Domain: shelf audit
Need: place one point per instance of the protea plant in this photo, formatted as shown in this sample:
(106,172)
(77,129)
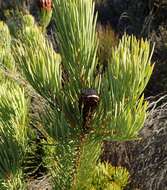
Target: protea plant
(87,106)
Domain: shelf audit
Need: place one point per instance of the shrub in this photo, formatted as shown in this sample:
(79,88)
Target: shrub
(85,108)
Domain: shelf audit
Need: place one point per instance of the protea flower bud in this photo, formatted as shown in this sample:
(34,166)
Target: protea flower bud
(45,4)
(45,12)
(88,102)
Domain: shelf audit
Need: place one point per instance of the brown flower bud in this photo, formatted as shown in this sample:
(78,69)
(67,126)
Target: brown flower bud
(88,102)
(45,4)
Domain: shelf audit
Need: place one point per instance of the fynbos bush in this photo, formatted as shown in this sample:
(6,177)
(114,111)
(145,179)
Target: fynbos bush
(83,107)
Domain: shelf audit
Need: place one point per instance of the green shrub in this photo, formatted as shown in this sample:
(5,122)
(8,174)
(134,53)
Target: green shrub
(85,108)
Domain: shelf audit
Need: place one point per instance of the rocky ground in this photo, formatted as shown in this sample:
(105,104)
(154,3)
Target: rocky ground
(42,183)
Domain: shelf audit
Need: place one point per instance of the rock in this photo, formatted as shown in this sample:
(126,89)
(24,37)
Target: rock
(40,184)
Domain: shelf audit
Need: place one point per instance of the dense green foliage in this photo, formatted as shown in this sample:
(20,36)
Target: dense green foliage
(108,177)
(74,131)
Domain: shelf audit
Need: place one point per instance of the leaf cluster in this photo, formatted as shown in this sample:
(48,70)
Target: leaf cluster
(108,177)
(13,119)
(13,133)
